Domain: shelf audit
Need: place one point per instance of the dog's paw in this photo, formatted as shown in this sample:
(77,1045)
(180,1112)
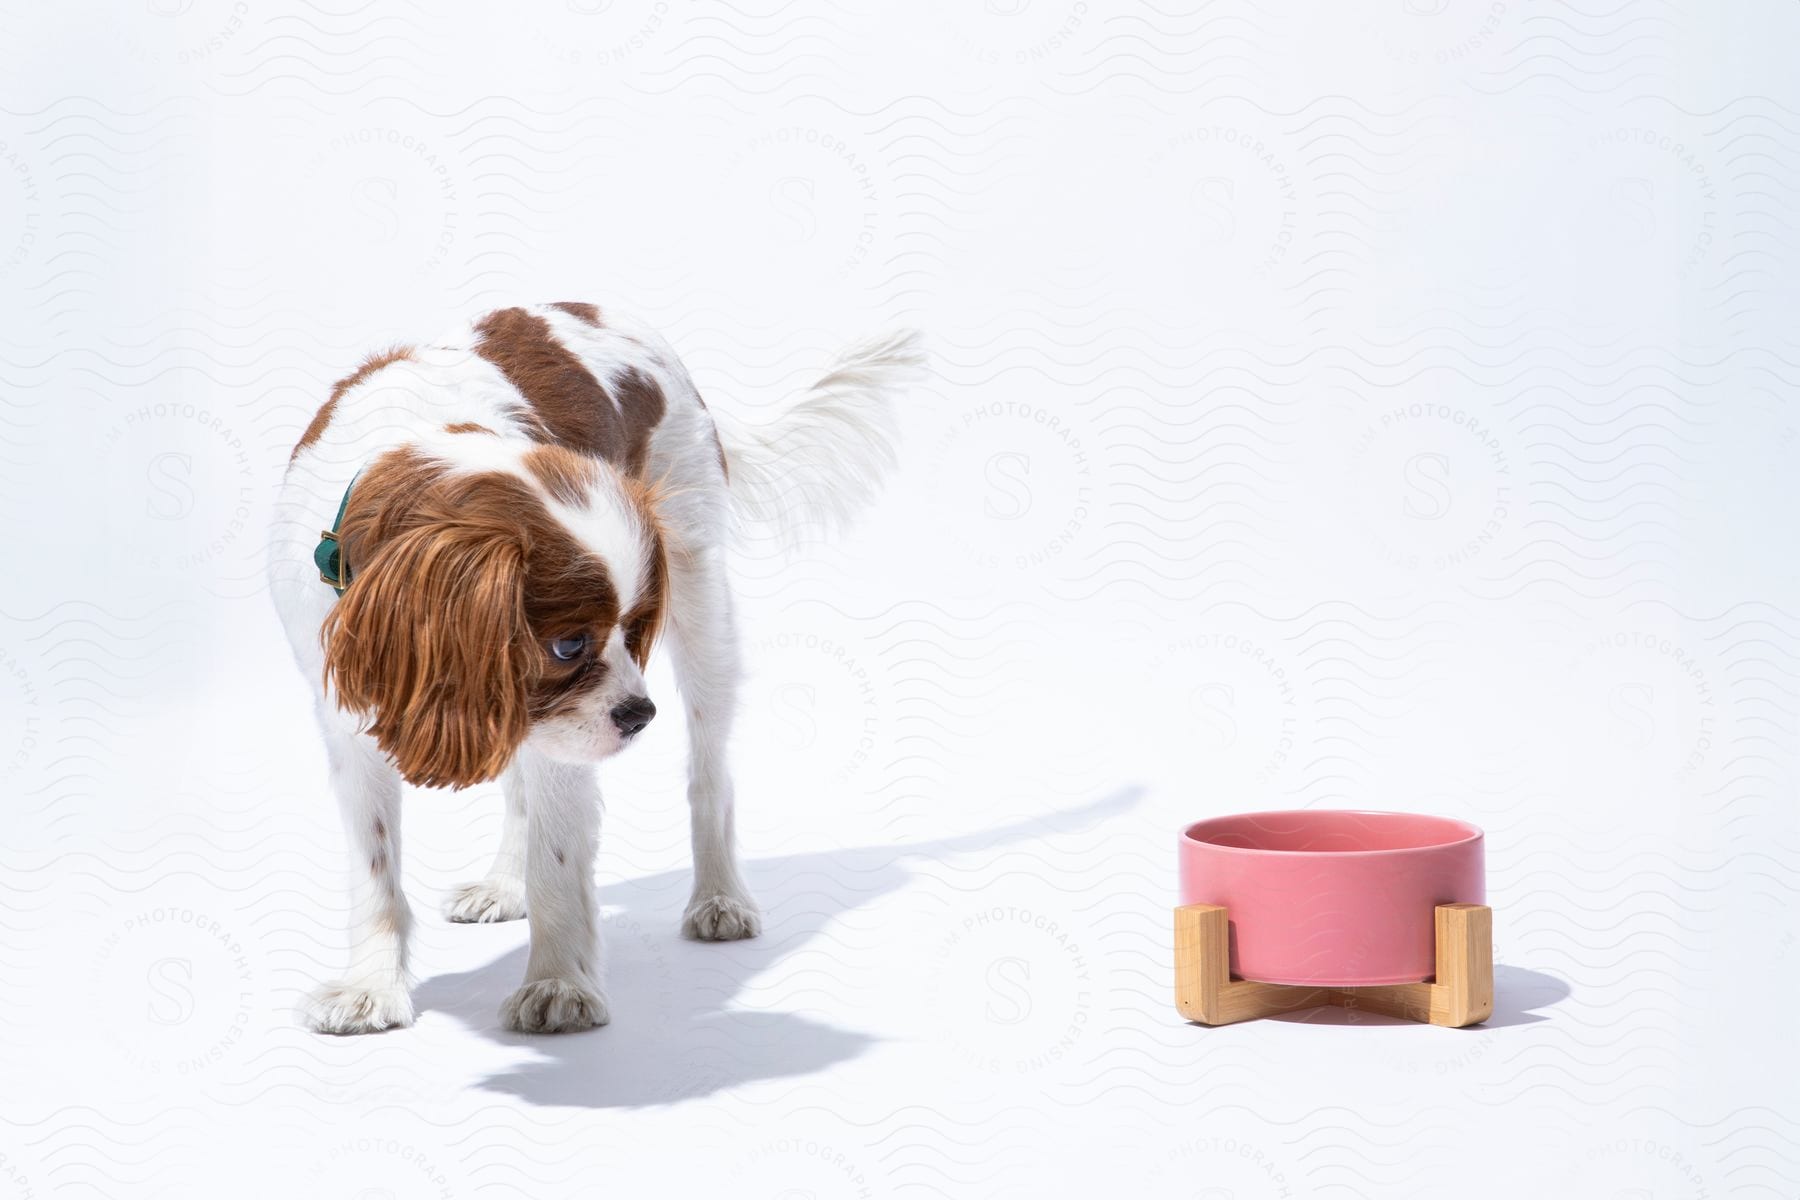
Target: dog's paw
(493,899)
(555,1006)
(341,1008)
(721,919)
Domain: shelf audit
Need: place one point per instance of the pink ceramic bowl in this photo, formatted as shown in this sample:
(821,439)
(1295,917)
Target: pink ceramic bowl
(1332,898)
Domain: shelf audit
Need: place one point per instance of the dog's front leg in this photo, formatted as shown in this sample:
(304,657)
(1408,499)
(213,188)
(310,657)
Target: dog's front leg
(373,994)
(562,988)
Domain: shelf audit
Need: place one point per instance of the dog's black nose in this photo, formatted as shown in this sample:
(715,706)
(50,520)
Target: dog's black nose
(633,715)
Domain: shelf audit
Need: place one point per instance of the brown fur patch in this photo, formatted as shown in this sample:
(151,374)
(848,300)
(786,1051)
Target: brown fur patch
(581,310)
(644,622)
(467,427)
(566,475)
(565,402)
(315,428)
(460,582)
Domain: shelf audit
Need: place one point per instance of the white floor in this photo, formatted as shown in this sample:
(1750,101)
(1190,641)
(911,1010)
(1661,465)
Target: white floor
(1382,405)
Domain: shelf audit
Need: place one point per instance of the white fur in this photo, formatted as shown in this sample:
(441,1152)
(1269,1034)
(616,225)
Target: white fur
(819,458)
(811,466)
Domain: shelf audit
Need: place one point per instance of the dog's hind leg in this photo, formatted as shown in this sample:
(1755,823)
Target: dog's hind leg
(704,646)
(500,895)
(373,994)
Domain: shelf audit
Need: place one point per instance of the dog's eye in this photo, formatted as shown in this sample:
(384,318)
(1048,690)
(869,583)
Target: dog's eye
(567,648)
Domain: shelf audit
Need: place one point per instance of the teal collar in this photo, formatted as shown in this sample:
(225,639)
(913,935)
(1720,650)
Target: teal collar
(328,556)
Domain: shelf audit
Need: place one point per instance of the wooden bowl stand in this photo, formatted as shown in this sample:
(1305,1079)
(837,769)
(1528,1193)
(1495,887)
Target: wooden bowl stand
(1461,993)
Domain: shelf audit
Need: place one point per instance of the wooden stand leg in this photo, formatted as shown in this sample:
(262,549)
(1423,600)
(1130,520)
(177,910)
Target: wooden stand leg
(1204,989)
(1462,992)
(1465,965)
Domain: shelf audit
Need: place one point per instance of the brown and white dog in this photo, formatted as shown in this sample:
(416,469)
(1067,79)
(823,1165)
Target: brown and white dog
(528,508)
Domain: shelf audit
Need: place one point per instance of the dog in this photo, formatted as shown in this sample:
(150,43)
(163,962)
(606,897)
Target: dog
(524,512)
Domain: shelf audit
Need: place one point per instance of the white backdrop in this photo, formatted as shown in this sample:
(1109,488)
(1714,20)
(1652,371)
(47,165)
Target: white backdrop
(1388,404)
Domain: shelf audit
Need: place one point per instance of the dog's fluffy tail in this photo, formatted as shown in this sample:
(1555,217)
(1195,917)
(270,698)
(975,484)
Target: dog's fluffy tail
(820,457)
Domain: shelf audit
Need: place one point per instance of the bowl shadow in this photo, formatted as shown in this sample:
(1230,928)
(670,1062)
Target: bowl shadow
(1518,993)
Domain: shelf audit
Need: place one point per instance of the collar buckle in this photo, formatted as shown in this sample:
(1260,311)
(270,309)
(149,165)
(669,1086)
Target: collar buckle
(334,558)
(328,556)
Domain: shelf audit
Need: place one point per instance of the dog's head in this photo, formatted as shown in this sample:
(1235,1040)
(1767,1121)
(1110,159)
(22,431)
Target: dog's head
(494,605)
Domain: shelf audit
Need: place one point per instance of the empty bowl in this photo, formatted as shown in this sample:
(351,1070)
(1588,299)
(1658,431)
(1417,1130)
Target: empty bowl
(1332,898)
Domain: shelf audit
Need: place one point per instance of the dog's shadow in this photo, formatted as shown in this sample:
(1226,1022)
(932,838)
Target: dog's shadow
(678,1031)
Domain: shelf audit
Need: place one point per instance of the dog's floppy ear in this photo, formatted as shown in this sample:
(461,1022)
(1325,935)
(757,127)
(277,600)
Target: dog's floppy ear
(431,641)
